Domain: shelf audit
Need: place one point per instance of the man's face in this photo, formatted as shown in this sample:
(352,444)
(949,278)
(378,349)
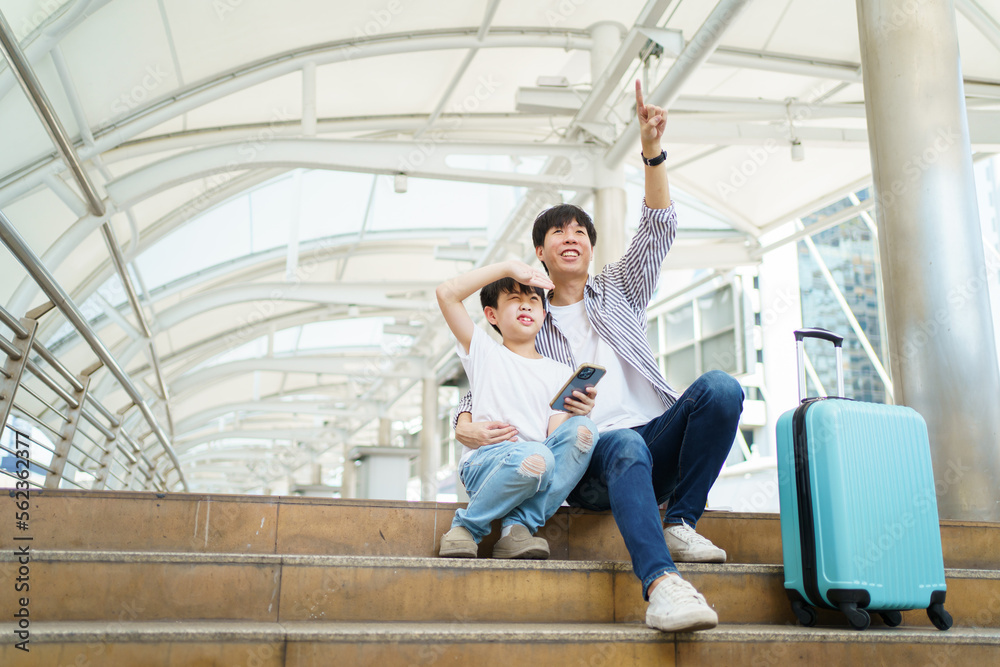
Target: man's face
(566,251)
(518,315)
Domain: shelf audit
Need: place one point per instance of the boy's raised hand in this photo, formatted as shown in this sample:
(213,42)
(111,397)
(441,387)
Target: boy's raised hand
(526,275)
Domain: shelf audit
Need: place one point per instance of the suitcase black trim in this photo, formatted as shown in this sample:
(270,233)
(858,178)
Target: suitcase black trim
(803,492)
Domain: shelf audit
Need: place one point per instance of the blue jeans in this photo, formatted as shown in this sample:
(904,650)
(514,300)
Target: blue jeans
(502,482)
(675,458)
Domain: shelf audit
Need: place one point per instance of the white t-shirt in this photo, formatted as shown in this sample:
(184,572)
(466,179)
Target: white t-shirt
(509,388)
(624,397)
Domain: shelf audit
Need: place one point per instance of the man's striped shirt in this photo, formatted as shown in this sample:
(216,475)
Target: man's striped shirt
(616,302)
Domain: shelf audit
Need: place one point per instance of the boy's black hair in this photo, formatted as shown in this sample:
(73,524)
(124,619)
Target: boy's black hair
(557,217)
(490,295)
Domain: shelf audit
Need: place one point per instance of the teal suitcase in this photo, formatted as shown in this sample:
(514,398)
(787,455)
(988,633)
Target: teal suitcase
(859,520)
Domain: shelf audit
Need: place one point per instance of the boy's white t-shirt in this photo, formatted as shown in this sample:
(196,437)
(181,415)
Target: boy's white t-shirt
(509,388)
(624,397)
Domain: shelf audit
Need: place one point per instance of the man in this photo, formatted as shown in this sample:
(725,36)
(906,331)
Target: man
(655,446)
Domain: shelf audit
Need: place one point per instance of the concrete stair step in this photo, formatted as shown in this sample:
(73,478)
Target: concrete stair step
(140,586)
(138,521)
(304,644)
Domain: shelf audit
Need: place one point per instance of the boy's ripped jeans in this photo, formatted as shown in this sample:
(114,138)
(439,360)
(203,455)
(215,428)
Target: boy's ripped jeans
(524,482)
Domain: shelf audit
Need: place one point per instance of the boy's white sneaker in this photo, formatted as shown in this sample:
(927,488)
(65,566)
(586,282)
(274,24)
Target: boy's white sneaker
(458,543)
(687,546)
(519,543)
(675,606)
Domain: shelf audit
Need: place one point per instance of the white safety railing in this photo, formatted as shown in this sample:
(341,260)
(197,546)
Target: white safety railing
(58,435)
(53,432)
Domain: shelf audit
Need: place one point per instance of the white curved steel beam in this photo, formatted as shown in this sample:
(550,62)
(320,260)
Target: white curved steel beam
(324,408)
(298,435)
(220,342)
(370,366)
(200,93)
(370,294)
(980,18)
(69,240)
(508,122)
(47,34)
(239,269)
(414,158)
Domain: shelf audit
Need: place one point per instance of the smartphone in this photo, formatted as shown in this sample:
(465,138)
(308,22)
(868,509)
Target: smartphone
(587,375)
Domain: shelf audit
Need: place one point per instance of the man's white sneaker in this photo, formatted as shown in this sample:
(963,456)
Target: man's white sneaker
(675,606)
(687,546)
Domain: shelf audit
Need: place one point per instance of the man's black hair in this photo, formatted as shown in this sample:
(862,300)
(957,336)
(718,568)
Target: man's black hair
(490,295)
(557,217)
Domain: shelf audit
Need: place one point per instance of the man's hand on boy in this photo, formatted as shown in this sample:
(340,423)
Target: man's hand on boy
(479,434)
(526,275)
(582,404)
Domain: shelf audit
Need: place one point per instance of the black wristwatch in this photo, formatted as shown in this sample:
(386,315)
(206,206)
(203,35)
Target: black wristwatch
(654,161)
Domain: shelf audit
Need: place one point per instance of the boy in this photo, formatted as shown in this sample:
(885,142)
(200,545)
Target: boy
(522,482)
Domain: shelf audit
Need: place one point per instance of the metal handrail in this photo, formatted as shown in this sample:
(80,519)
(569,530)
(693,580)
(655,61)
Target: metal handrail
(9,350)
(114,421)
(52,361)
(98,425)
(13,324)
(52,384)
(44,402)
(44,279)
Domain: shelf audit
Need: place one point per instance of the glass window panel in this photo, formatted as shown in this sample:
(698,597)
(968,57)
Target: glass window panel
(716,310)
(681,370)
(437,204)
(215,237)
(680,325)
(346,333)
(719,353)
(333,203)
(271,214)
(284,340)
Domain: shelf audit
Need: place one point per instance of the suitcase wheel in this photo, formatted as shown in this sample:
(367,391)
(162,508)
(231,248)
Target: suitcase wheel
(939,617)
(891,618)
(804,612)
(858,618)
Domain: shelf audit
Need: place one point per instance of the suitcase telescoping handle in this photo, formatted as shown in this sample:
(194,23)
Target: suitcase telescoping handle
(800,347)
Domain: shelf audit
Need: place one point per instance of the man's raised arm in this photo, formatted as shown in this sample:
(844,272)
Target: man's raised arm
(638,270)
(652,123)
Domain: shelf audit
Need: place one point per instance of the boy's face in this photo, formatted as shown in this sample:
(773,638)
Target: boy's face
(566,251)
(519,315)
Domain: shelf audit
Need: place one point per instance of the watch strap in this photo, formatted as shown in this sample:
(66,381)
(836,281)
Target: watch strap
(652,162)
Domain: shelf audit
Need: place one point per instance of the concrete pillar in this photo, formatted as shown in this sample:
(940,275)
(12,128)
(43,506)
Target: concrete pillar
(384,432)
(348,485)
(430,443)
(941,344)
(609,198)
(315,473)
